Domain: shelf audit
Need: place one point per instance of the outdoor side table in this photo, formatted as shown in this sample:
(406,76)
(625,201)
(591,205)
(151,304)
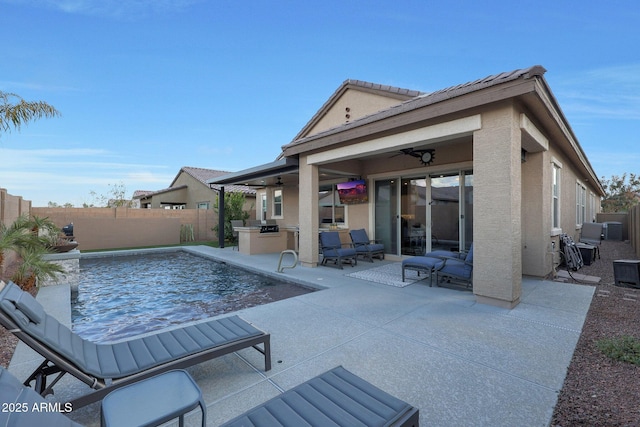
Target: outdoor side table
(153,401)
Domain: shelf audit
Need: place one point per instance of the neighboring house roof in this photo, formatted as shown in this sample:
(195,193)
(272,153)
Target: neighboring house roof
(204,175)
(200,174)
(383,90)
(146,194)
(141,193)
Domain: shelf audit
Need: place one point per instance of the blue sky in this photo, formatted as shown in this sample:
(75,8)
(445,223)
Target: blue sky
(148,86)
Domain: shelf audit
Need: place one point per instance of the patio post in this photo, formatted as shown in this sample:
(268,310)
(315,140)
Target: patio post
(221,217)
(308,213)
(497,211)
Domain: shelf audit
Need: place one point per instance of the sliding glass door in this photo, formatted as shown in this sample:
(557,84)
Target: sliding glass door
(414,215)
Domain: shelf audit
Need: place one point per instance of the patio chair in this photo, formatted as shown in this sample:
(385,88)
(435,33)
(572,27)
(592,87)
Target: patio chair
(365,247)
(332,249)
(235,223)
(335,398)
(591,234)
(105,367)
(457,269)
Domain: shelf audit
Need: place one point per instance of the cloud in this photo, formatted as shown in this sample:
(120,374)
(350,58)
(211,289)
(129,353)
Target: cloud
(70,175)
(607,92)
(119,9)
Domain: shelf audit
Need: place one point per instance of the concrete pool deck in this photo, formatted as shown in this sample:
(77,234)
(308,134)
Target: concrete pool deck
(459,362)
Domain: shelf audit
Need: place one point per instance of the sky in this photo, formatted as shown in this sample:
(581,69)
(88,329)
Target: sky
(145,87)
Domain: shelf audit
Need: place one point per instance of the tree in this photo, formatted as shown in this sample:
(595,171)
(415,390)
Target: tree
(115,198)
(233,210)
(15,111)
(621,192)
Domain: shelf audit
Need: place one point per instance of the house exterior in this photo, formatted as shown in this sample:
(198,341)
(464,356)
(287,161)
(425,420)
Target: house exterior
(492,162)
(190,190)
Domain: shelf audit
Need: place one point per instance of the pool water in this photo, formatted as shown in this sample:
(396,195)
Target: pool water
(122,296)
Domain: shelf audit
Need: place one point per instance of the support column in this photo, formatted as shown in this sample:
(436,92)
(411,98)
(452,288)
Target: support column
(308,213)
(221,217)
(497,271)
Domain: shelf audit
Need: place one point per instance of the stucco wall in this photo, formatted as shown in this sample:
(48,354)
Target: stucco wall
(11,207)
(144,227)
(359,103)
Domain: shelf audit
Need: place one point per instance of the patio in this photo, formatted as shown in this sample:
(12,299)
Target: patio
(459,362)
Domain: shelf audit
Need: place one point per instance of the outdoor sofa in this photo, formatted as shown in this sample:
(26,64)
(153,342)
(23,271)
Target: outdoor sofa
(105,367)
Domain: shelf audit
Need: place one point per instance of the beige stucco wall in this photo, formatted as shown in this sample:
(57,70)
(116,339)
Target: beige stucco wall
(359,103)
(197,192)
(497,273)
(88,221)
(11,207)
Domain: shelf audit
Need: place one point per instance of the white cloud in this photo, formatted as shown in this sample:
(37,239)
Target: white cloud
(608,92)
(70,175)
(119,9)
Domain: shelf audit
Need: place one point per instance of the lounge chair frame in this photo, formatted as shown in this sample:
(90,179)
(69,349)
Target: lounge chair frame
(57,364)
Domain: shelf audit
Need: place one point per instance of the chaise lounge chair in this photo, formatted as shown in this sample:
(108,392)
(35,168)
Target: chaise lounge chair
(332,249)
(365,247)
(431,261)
(105,367)
(335,398)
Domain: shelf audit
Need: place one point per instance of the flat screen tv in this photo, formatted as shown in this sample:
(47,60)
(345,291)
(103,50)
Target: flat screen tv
(353,192)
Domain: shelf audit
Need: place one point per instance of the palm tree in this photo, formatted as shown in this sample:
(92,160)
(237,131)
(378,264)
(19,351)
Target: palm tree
(15,111)
(30,238)
(13,238)
(33,267)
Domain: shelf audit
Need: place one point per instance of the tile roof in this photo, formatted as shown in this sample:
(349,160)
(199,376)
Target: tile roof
(203,175)
(424,99)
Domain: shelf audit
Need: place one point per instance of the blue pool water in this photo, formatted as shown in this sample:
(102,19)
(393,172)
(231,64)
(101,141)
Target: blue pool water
(122,296)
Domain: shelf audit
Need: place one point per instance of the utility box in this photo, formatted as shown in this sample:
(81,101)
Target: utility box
(613,231)
(627,272)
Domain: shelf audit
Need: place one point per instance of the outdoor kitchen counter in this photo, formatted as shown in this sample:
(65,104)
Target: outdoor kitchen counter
(255,240)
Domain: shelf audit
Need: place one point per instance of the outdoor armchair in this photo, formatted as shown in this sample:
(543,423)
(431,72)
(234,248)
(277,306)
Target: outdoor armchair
(332,249)
(457,269)
(365,247)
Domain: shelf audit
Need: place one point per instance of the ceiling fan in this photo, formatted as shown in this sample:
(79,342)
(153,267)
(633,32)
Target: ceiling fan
(426,156)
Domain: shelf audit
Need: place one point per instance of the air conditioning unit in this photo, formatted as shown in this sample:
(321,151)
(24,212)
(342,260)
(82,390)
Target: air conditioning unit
(627,272)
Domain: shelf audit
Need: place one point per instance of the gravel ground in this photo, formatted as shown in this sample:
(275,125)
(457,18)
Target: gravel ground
(597,391)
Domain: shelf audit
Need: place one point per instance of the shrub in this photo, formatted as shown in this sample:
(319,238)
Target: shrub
(624,348)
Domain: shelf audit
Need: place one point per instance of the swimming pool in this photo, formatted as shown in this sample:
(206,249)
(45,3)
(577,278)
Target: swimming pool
(122,296)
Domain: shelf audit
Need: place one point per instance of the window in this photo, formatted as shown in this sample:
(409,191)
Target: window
(277,204)
(331,211)
(592,207)
(555,194)
(263,206)
(203,205)
(581,203)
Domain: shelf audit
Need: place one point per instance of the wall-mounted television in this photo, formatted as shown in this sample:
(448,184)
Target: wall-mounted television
(353,192)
